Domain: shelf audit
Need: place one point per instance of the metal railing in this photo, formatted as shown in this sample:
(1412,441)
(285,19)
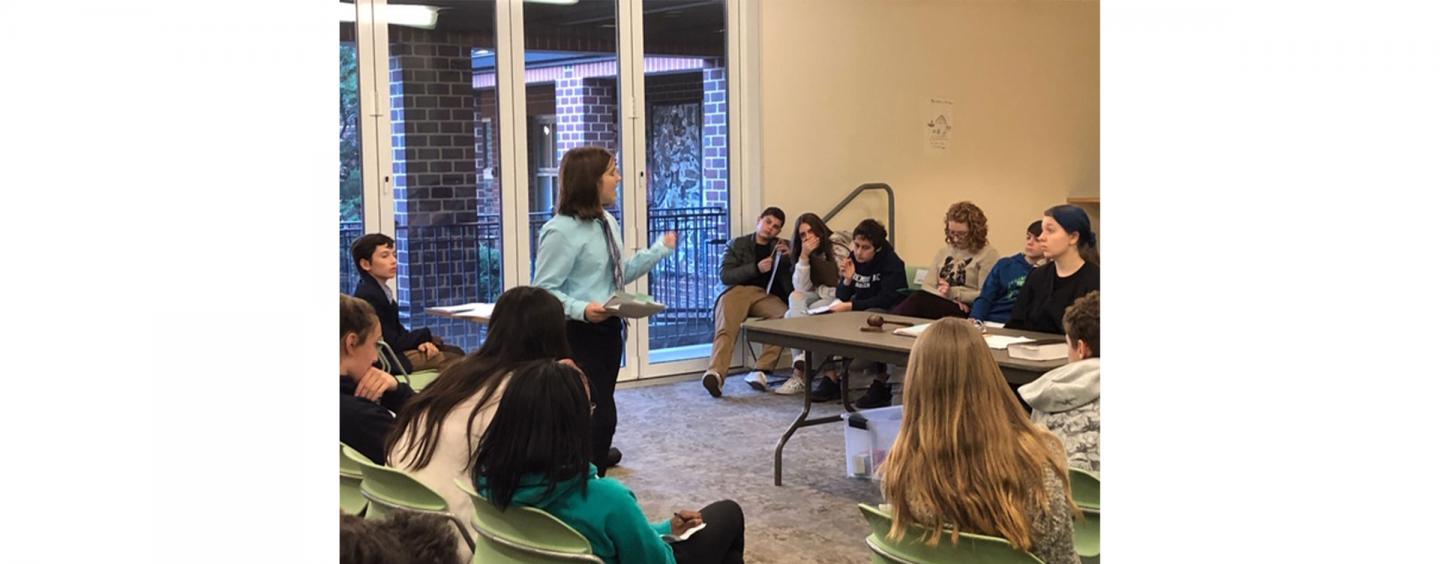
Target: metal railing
(889,199)
(460,263)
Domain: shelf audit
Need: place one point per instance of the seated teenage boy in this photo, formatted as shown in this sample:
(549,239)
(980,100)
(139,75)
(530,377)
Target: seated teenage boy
(870,280)
(753,263)
(374,255)
(997,296)
(1066,400)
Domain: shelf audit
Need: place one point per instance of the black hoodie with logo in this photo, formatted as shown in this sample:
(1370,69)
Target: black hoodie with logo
(877,283)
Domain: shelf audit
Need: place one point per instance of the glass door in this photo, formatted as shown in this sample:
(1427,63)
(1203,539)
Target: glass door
(464,111)
(574,98)
(444,150)
(352,185)
(685,117)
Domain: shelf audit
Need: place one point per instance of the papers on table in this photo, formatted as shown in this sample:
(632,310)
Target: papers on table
(480,311)
(912,331)
(1000,342)
(473,310)
(633,306)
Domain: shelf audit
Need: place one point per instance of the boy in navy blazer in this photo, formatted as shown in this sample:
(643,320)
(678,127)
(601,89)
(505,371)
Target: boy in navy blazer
(374,255)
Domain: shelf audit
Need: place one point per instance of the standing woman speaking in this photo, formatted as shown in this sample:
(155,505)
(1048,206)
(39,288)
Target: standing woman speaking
(579,262)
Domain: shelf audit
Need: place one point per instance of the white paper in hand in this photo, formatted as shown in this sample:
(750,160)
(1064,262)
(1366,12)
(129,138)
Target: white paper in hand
(683,536)
(633,306)
(822,307)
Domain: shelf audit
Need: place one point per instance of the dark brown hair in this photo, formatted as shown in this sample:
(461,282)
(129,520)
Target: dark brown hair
(580,171)
(364,247)
(404,537)
(528,324)
(356,316)
(971,215)
(818,227)
(872,231)
(1082,321)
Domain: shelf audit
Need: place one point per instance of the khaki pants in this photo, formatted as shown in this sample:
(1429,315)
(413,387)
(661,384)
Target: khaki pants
(735,305)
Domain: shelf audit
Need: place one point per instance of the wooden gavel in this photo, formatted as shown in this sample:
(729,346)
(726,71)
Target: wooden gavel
(876,324)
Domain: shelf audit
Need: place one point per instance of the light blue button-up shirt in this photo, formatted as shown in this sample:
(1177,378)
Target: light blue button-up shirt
(574,264)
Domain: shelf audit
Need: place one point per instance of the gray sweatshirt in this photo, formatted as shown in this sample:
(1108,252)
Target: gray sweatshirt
(1066,401)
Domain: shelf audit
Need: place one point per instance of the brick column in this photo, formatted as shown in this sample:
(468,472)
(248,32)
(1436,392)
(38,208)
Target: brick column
(715,135)
(585,111)
(436,198)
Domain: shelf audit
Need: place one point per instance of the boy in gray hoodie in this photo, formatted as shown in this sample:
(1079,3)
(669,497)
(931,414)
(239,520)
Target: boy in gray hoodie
(1066,400)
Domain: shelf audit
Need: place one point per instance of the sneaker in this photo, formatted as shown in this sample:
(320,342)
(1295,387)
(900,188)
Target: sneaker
(758,380)
(877,395)
(827,390)
(794,385)
(713,382)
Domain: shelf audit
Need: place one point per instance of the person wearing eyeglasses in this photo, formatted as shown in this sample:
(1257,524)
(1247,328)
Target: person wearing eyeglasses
(958,270)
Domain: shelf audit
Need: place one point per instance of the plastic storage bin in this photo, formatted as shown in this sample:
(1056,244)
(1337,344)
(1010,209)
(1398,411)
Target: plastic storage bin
(868,436)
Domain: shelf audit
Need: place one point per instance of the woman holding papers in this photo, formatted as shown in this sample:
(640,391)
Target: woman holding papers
(958,270)
(579,261)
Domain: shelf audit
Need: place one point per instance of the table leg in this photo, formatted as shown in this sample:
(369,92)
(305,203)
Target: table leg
(804,412)
(845,386)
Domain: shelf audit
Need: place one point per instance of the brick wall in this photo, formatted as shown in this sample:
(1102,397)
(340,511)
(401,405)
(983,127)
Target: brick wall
(585,111)
(437,196)
(715,137)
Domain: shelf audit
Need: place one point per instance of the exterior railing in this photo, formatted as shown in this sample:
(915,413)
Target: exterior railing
(460,263)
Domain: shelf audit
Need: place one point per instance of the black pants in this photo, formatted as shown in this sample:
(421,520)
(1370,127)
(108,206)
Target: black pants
(597,348)
(722,541)
(929,306)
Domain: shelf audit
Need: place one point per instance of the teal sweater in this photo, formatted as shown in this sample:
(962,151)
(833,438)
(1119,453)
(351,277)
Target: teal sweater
(606,514)
(573,262)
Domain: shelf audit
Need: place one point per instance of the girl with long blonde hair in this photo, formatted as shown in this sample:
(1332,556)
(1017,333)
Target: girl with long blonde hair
(967,457)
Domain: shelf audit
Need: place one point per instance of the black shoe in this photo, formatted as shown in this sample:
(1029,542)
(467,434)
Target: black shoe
(827,390)
(877,395)
(603,463)
(713,383)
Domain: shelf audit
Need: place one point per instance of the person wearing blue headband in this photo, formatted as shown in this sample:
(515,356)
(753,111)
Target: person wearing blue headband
(1073,270)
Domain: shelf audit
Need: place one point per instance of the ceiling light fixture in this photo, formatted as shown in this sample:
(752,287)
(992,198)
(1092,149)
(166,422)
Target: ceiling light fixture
(408,15)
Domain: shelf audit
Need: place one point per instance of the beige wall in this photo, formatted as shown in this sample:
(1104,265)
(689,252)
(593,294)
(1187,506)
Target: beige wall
(845,88)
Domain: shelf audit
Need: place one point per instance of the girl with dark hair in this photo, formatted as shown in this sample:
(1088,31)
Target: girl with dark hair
(436,435)
(536,453)
(959,269)
(579,262)
(1073,271)
(817,274)
(368,396)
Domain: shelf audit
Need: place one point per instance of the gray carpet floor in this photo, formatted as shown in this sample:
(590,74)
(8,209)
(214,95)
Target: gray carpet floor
(684,449)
